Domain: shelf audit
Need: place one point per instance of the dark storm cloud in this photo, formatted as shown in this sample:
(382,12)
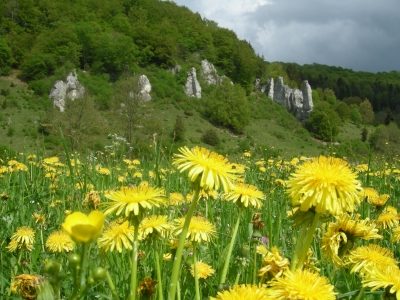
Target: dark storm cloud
(362,35)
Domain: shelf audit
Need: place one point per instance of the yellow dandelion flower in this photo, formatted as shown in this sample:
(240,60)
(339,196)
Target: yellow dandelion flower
(39,219)
(137,175)
(369,257)
(370,193)
(362,168)
(262,250)
(27,285)
(116,236)
(246,154)
(262,169)
(326,184)
(136,162)
(387,277)
(341,235)
(83,228)
(154,225)
(212,170)
(60,241)
(24,236)
(134,199)
(51,160)
(245,195)
(273,263)
(167,256)
(240,292)
(144,183)
(294,161)
(203,270)
(387,219)
(380,201)
(104,171)
(121,178)
(92,200)
(396,235)
(176,199)
(301,285)
(199,230)
(173,244)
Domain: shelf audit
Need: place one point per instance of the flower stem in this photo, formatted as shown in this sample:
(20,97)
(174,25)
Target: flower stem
(178,255)
(196,275)
(308,240)
(228,256)
(159,286)
(132,295)
(295,257)
(112,286)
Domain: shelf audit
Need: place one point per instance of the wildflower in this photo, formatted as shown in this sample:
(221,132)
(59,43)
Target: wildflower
(104,171)
(92,200)
(134,199)
(245,195)
(24,236)
(176,199)
(396,235)
(340,237)
(240,292)
(154,225)
(301,285)
(369,257)
(326,184)
(27,286)
(370,194)
(147,287)
(380,201)
(203,270)
(83,228)
(39,219)
(167,256)
(273,263)
(387,277)
(211,169)
(388,219)
(116,236)
(137,175)
(199,229)
(60,241)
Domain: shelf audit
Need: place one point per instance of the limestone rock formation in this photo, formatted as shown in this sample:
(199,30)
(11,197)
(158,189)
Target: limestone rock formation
(209,73)
(297,101)
(70,89)
(192,86)
(175,69)
(145,88)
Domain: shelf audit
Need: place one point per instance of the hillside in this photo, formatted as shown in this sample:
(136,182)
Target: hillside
(110,43)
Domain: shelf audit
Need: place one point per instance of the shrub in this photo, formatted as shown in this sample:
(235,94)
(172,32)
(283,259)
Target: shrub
(210,137)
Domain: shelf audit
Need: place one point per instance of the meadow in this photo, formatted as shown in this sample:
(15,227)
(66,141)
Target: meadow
(103,226)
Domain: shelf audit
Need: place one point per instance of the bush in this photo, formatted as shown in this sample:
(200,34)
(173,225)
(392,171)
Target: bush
(210,137)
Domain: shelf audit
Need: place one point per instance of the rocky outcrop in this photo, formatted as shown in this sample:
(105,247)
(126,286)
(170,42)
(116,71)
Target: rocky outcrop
(145,88)
(297,101)
(209,73)
(176,69)
(192,86)
(70,89)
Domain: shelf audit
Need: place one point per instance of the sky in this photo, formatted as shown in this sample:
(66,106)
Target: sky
(363,35)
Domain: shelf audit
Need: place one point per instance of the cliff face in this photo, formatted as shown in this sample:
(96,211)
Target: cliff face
(297,101)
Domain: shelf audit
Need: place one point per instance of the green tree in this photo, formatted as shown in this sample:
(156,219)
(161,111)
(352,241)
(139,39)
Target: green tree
(5,54)
(389,117)
(210,137)
(364,134)
(355,115)
(323,125)
(178,134)
(366,112)
(343,110)
(227,105)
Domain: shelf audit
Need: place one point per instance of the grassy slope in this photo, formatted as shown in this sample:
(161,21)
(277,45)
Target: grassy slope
(272,129)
